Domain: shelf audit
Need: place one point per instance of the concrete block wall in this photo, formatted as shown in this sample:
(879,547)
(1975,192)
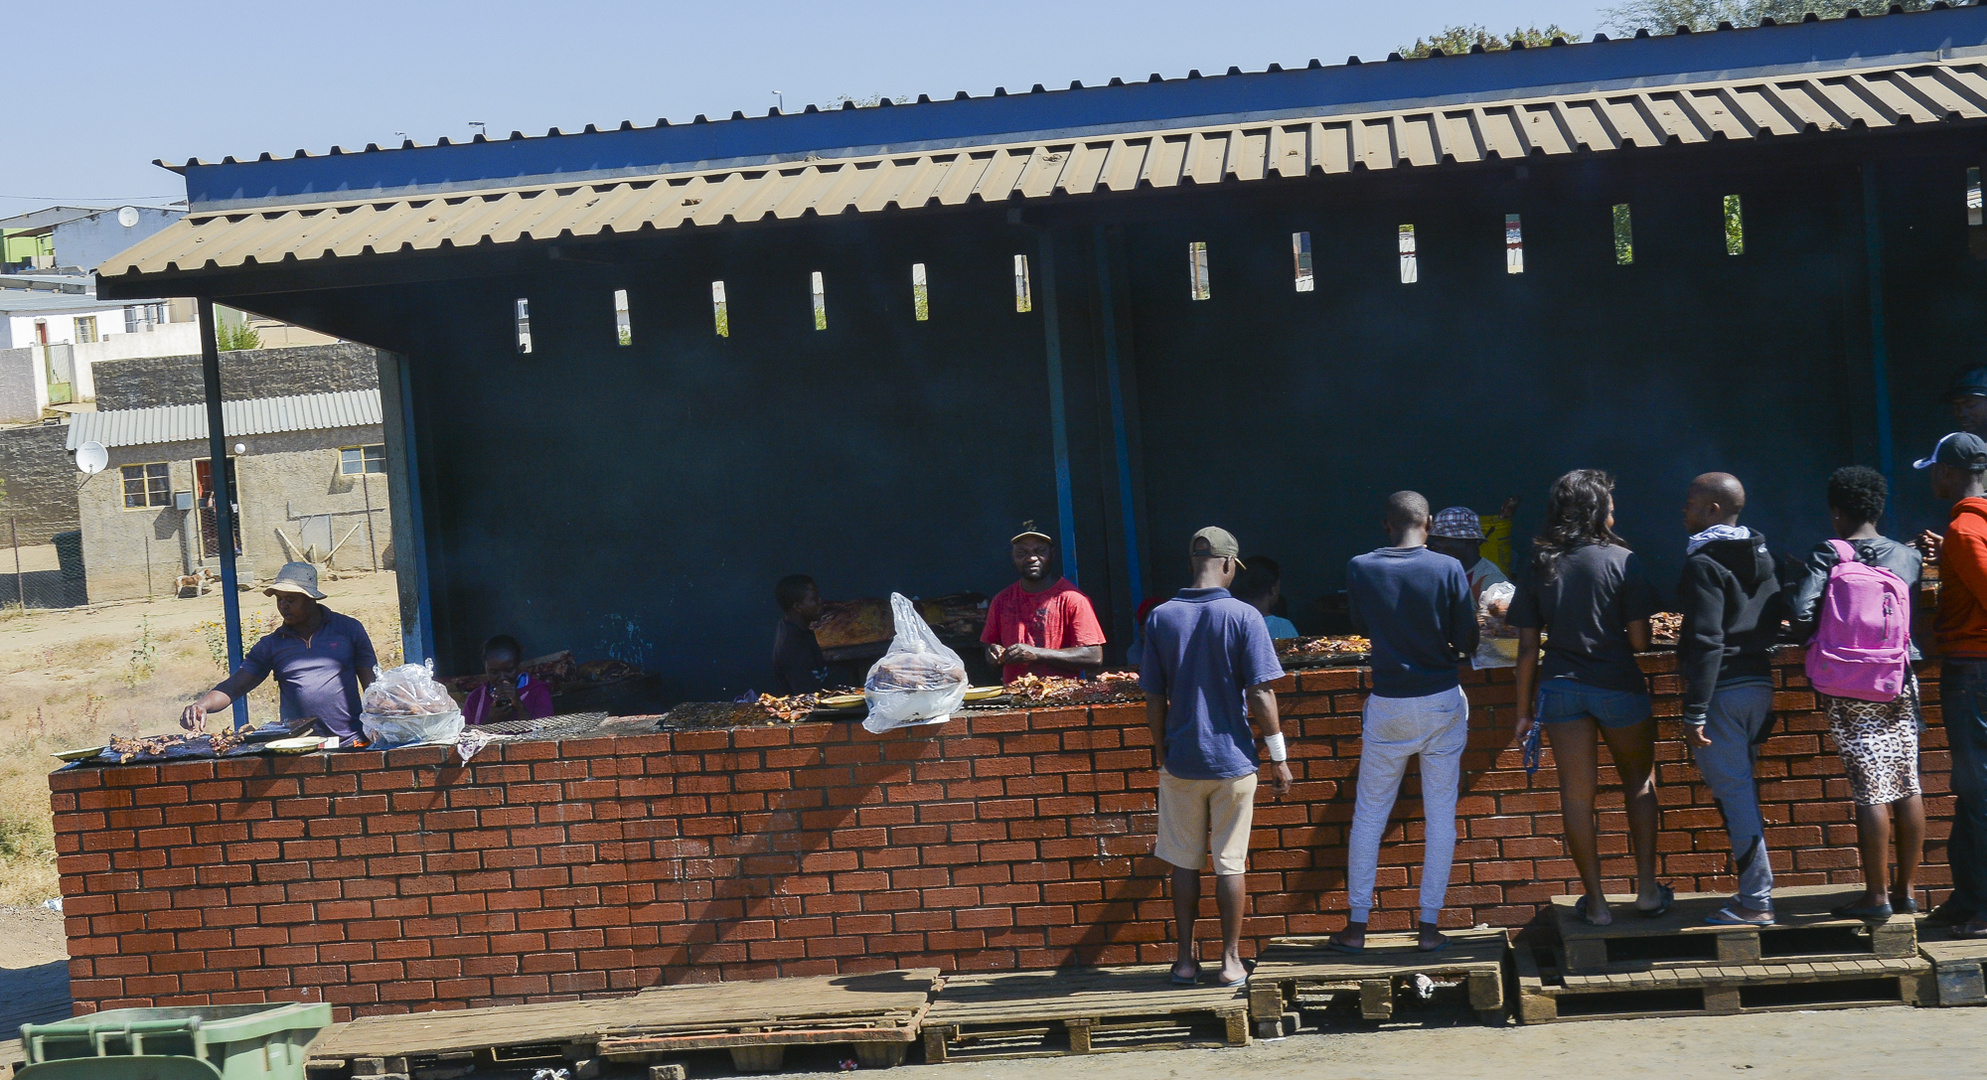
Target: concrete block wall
(41,481)
(245,373)
(398,881)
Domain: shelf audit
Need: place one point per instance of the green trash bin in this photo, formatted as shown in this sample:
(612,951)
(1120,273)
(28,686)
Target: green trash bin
(191,1042)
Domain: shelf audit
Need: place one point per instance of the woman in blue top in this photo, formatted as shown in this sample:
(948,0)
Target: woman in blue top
(1588,592)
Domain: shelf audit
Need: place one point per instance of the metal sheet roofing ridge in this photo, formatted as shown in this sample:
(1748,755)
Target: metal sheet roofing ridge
(159,424)
(1167,158)
(1664,56)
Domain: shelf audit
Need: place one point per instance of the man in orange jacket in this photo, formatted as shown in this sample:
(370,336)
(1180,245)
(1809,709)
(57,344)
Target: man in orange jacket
(1958,467)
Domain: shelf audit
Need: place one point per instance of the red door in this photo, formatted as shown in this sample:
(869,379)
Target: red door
(203,497)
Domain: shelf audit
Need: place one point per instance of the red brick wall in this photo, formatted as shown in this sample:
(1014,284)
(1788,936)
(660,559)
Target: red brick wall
(385,882)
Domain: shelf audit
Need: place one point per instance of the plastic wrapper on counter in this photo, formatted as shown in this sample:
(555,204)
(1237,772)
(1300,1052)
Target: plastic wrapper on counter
(407,706)
(918,681)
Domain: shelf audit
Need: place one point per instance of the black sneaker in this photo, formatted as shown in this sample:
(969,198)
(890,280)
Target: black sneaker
(1950,913)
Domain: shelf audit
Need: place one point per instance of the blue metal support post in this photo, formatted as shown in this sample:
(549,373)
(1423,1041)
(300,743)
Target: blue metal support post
(1873,259)
(223,494)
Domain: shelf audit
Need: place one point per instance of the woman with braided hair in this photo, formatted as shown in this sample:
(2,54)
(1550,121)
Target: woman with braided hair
(1586,588)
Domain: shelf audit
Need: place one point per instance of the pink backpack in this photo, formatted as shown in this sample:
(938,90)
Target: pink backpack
(1862,643)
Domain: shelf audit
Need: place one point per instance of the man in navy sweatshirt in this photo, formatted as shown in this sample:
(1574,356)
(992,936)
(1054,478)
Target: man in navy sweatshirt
(1417,607)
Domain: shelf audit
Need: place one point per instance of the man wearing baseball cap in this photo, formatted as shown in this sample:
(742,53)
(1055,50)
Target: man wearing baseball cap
(1458,533)
(1967,394)
(1206,669)
(1039,625)
(321,660)
(1958,472)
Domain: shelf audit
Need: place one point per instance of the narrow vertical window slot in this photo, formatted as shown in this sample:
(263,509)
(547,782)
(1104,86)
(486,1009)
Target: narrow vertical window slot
(1410,267)
(1197,270)
(624,330)
(1514,244)
(820,303)
(1024,290)
(1973,204)
(1300,257)
(718,310)
(523,325)
(920,297)
(1624,236)
(1735,226)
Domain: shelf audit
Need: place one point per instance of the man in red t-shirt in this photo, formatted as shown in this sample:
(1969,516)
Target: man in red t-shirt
(1037,626)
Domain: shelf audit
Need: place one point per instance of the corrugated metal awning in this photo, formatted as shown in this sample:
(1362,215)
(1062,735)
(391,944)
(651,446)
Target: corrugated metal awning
(1874,98)
(257,416)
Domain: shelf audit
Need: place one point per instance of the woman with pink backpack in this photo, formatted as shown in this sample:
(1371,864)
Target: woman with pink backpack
(1853,605)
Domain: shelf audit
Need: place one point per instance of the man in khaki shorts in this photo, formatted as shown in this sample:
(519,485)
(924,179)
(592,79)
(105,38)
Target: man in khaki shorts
(1207,667)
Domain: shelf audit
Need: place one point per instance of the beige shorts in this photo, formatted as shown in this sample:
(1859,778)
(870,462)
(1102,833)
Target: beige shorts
(1199,817)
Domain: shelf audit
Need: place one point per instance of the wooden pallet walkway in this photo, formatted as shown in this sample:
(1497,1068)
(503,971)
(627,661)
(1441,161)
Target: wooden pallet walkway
(1959,965)
(879,1015)
(1804,929)
(1548,992)
(1290,966)
(1079,1011)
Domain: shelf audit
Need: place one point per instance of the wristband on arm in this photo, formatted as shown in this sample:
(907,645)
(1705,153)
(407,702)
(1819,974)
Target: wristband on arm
(1274,744)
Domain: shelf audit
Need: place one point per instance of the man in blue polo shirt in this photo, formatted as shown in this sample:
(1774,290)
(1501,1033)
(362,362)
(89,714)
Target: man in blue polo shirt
(1207,666)
(321,660)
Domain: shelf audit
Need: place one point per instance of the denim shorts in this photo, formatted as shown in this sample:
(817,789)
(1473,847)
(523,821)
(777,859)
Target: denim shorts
(1564,699)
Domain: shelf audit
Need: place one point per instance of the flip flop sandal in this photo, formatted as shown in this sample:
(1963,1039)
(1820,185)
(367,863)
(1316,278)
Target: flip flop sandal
(1725,916)
(1334,944)
(1239,980)
(1438,947)
(1963,934)
(1584,910)
(1669,896)
(1182,980)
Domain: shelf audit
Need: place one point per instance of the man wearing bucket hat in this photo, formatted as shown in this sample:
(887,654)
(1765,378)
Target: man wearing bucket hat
(1458,533)
(321,660)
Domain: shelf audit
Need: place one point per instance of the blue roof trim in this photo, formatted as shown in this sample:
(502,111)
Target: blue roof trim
(1094,110)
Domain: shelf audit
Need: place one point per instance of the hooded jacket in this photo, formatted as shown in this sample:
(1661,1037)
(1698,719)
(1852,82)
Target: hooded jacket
(1732,606)
(1961,624)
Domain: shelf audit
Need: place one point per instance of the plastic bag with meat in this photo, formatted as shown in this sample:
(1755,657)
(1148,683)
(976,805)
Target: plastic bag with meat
(919,681)
(406,706)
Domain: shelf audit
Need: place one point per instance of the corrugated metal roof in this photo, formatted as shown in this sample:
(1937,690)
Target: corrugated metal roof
(1874,98)
(38,301)
(257,416)
(1041,114)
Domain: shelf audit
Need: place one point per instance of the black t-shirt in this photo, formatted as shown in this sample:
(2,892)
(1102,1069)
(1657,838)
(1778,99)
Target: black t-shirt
(1586,608)
(798,667)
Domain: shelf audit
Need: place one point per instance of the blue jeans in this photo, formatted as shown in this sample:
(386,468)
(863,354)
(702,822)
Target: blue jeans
(1963,701)
(1736,725)
(1564,699)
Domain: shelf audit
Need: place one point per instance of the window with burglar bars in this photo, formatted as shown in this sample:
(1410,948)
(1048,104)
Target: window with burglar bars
(353,460)
(86,329)
(147,486)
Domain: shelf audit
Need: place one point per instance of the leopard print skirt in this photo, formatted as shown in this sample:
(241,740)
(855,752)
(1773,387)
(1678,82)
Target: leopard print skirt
(1878,741)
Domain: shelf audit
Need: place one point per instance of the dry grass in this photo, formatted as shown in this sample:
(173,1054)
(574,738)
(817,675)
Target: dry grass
(75,678)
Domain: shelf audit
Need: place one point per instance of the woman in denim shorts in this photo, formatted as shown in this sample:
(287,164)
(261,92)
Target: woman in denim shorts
(1587,598)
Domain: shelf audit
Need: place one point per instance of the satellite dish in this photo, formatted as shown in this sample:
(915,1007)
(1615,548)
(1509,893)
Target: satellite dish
(91,457)
(127,216)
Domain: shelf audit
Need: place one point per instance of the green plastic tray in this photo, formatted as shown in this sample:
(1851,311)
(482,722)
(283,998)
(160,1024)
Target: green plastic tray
(193,1042)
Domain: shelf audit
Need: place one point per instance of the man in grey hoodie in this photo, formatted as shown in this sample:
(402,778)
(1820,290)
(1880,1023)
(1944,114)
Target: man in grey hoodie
(1732,606)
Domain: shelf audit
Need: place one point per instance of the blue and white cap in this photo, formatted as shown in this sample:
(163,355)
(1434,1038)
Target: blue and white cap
(1961,450)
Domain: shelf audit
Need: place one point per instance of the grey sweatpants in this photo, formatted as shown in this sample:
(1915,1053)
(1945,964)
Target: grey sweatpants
(1736,725)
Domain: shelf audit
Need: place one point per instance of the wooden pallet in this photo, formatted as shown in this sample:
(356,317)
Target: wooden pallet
(1079,1011)
(1547,992)
(1291,966)
(879,1015)
(1803,930)
(1960,965)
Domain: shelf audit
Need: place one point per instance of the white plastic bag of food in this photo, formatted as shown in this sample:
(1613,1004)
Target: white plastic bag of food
(407,706)
(1497,644)
(919,681)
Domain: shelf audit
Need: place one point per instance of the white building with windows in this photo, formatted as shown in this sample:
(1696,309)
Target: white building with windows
(309,474)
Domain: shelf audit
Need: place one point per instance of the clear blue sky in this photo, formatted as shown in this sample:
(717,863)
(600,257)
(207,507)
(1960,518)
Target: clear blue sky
(103,88)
